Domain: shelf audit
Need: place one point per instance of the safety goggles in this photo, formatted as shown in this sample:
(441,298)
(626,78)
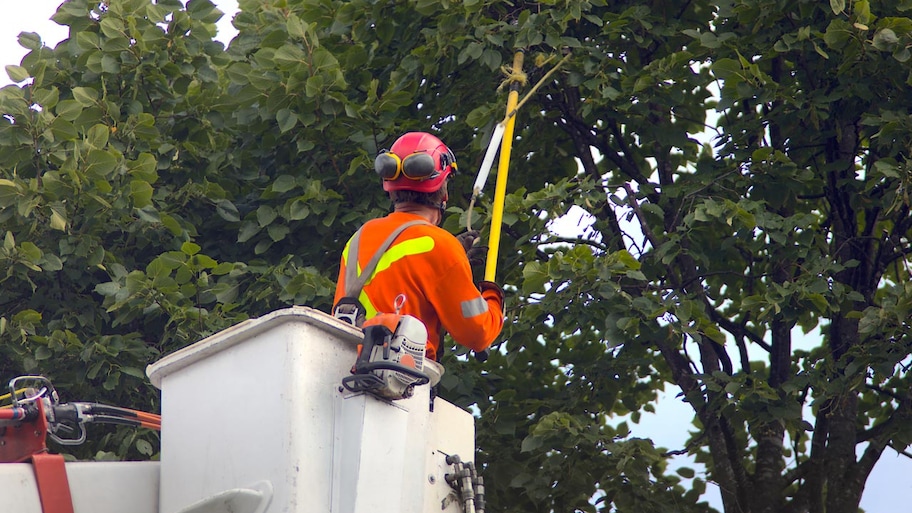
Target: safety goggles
(417,166)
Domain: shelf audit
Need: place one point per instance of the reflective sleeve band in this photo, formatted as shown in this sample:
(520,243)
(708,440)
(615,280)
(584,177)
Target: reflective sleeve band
(474,307)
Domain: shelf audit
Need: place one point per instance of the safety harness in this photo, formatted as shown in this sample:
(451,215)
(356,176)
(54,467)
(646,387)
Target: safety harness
(349,307)
(391,356)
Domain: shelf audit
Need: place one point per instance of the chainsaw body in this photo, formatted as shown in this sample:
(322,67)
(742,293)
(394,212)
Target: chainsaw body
(390,360)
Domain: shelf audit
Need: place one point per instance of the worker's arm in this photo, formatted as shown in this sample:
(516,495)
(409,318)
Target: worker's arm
(473,317)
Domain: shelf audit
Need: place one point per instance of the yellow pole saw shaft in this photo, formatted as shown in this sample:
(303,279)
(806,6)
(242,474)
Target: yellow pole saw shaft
(500,190)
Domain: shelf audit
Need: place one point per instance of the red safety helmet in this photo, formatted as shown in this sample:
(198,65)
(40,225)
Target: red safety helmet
(417,161)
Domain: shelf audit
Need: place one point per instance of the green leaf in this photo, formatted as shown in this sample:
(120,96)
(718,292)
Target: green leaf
(43,353)
(58,220)
(144,167)
(225,293)
(838,34)
(535,276)
(101,163)
(29,40)
(86,96)
(97,136)
(63,130)
(298,210)
(289,54)
(133,371)
(296,27)
(30,251)
(227,211)
(685,472)
(87,42)
(286,119)
(190,248)
(247,231)
(69,109)
(283,183)
(204,261)
(17,73)
(628,260)
(885,39)
(112,27)
(277,232)
(726,68)
(204,11)
(141,192)
(148,214)
(266,215)
(314,86)
(530,443)
(27,316)
(171,224)
(51,262)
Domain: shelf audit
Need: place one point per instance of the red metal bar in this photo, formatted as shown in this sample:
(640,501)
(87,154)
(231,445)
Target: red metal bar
(53,485)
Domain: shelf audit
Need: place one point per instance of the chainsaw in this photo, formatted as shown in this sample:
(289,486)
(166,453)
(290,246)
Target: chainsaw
(390,359)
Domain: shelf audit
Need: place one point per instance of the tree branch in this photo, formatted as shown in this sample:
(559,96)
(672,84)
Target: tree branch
(647,231)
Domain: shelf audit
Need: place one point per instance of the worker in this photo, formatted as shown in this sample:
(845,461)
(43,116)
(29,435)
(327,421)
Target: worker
(424,264)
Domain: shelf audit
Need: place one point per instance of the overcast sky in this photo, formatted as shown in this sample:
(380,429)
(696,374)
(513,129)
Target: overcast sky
(890,485)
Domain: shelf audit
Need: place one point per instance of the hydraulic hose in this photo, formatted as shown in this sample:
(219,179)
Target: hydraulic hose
(17,413)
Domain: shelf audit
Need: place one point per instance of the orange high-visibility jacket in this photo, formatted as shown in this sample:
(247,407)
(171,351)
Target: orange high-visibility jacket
(429,266)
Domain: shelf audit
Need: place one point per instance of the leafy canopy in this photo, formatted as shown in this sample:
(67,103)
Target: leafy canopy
(158,187)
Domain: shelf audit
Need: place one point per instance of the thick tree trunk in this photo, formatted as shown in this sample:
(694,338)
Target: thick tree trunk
(843,491)
(768,478)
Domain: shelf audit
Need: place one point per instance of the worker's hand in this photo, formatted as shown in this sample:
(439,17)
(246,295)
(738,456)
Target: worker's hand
(478,255)
(490,289)
(475,253)
(468,239)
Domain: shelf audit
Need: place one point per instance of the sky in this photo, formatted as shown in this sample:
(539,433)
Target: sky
(887,490)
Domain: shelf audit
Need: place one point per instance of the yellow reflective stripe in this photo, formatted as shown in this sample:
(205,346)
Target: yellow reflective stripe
(369,309)
(416,246)
(345,251)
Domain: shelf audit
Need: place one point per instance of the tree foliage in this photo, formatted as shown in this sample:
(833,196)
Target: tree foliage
(158,187)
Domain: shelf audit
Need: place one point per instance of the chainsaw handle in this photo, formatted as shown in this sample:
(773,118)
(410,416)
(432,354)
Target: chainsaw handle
(368,367)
